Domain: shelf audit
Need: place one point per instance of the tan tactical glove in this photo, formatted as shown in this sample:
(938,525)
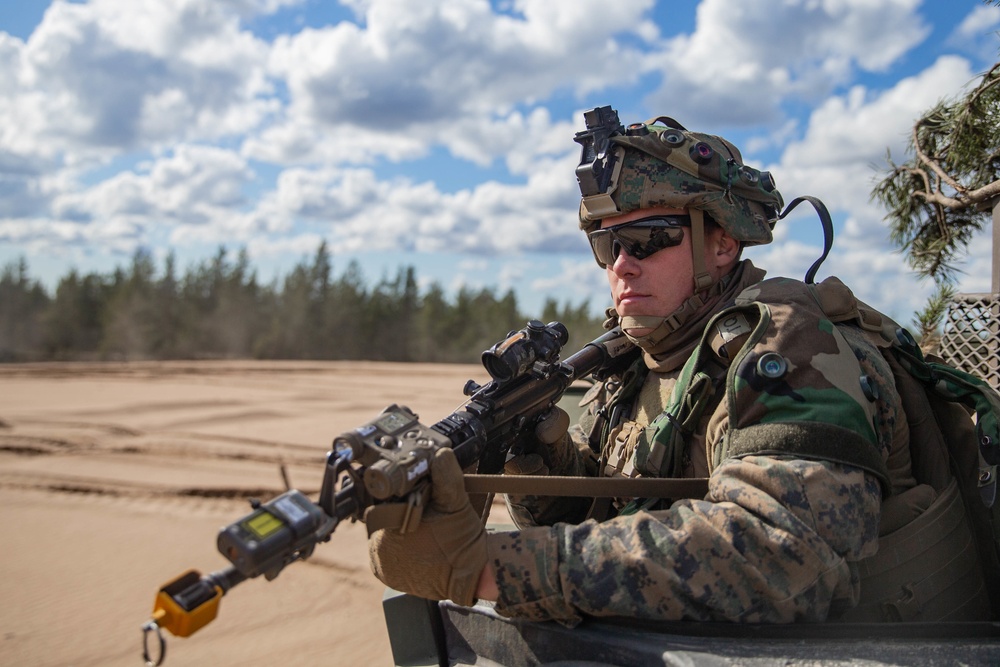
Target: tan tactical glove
(552,449)
(554,453)
(444,557)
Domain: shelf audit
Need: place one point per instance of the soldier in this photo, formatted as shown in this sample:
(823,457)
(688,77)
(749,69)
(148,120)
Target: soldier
(774,390)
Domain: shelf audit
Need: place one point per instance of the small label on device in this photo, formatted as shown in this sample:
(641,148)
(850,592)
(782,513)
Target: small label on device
(263,524)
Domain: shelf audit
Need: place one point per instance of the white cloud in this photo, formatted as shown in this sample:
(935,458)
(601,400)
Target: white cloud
(745,59)
(187,87)
(861,125)
(977,33)
(575,281)
(424,72)
(122,75)
(300,245)
(845,140)
(977,270)
(194,186)
(980,20)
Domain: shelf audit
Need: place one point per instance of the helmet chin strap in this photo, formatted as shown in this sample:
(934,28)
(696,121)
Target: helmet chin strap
(660,327)
(702,278)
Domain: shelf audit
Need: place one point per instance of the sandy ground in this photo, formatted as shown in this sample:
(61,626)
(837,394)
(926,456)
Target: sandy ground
(115,478)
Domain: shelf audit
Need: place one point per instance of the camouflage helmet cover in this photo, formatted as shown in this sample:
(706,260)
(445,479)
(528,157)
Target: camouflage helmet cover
(660,163)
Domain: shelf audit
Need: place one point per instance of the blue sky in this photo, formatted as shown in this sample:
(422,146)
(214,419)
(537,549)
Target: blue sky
(438,134)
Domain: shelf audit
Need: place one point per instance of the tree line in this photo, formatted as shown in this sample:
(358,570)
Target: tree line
(218,309)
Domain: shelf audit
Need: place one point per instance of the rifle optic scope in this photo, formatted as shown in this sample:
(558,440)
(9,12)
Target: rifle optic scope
(516,354)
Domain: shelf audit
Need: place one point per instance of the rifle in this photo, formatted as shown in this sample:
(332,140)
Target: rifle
(388,460)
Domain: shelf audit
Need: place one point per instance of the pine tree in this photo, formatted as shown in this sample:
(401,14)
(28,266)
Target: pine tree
(23,302)
(944,193)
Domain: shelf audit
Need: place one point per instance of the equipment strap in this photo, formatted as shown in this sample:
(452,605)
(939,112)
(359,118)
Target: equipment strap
(702,278)
(406,517)
(958,386)
(824,218)
(925,571)
(609,487)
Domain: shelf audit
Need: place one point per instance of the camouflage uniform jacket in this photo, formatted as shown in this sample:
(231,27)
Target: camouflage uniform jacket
(795,436)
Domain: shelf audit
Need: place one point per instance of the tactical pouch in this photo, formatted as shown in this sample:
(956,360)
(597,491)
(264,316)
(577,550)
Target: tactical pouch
(943,564)
(957,386)
(927,571)
(660,449)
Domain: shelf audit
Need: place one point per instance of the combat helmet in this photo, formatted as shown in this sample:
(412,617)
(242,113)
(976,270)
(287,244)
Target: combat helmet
(660,163)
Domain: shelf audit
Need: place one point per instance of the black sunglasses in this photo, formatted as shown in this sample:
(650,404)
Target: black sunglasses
(639,238)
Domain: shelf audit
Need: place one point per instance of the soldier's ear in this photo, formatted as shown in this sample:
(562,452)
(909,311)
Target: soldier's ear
(726,248)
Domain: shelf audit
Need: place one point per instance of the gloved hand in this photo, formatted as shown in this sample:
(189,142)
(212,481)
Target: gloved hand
(444,557)
(554,453)
(551,450)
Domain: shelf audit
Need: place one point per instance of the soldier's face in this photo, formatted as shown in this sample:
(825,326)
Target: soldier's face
(656,285)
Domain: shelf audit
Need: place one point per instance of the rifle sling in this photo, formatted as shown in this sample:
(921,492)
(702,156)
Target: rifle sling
(589,487)
(400,515)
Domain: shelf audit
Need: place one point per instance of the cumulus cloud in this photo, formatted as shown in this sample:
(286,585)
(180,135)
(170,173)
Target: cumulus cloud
(575,281)
(416,74)
(123,75)
(844,144)
(230,138)
(362,213)
(418,63)
(745,59)
(839,157)
(194,186)
(977,33)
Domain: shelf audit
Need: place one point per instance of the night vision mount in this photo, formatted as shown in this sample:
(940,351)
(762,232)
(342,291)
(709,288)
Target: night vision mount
(597,167)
